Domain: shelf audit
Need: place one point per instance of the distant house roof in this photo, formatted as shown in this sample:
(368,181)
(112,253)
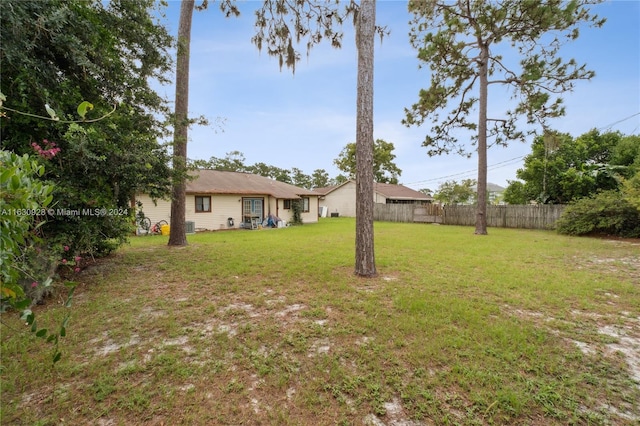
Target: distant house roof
(221,182)
(387,190)
(400,192)
(491,187)
(327,189)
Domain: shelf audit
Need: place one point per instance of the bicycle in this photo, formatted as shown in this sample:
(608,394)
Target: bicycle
(144,223)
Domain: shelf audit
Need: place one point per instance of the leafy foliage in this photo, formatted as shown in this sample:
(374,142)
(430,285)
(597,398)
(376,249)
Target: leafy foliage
(23,198)
(462,44)
(608,212)
(27,264)
(631,189)
(60,53)
(456,39)
(452,192)
(235,161)
(515,193)
(384,169)
(281,24)
(561,169)
(296,212)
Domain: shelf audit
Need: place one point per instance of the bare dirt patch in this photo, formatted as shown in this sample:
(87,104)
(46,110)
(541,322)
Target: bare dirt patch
(621,338)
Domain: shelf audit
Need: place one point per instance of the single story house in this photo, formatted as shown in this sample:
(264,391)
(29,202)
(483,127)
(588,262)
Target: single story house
(224,200)
(341,199)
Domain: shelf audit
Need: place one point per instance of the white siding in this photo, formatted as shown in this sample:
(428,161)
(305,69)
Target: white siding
(222,208)
(161,211)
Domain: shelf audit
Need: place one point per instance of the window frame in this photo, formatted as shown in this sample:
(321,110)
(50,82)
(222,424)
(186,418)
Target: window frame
(196,203)
(286,204)
(307,201)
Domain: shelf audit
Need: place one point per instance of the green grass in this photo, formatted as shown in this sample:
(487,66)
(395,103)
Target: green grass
(272,327)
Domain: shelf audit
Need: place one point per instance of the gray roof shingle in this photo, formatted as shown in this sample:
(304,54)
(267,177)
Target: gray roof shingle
(396,192)
(222,182)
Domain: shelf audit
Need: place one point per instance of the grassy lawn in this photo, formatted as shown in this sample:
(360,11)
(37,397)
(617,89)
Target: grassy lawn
(272,327)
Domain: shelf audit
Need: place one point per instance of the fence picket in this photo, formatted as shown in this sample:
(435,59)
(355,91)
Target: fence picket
(508,216)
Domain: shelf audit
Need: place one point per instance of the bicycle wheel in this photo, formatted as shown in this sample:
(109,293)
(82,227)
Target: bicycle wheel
(144,223)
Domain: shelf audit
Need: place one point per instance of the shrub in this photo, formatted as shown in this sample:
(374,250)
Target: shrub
(296,210)
(23,197)
(607,212)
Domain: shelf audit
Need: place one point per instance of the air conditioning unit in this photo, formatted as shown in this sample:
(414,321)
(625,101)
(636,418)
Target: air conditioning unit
(190,227)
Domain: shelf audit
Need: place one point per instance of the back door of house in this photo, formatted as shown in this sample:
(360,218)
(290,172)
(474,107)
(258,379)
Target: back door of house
(252,208)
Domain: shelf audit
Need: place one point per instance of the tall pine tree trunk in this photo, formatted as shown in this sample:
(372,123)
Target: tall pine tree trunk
(481,214)
(365,32)
(178,235)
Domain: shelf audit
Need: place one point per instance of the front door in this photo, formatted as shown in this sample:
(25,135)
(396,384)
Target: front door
(252,209)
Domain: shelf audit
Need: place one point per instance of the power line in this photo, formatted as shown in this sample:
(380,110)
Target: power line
(608,126)
(498,165)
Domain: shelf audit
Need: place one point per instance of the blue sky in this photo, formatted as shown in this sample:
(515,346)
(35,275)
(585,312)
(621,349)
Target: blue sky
(304,120)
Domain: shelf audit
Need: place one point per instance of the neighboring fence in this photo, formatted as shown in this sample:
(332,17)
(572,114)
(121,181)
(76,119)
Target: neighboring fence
(529,217)
(429,213)
(509,216)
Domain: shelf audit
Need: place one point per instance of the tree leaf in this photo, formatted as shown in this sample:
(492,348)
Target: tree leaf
(83,108)
(22,304)
(7,292)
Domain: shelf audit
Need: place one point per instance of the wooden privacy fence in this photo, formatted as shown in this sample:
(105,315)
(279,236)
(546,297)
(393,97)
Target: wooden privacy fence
(509,216)
(427,213)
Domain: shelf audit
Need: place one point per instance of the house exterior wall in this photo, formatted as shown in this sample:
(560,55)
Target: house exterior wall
(312,215)
(342,200)
(287,214)
(222,208)
(161,211)
(379,198)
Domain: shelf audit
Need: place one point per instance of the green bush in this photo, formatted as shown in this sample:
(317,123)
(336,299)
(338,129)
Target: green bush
(23,198)
(296,209)
(608,212)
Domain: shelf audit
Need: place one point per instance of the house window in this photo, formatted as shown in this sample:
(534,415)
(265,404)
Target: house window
(287,204)
(203,204)
(305,204)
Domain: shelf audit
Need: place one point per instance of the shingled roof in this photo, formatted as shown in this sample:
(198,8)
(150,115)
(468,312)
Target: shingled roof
(400,192)
(396,192)
(221,182)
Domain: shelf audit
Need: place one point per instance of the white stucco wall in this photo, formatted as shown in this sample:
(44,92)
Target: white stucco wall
(307,217)
(341,200)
